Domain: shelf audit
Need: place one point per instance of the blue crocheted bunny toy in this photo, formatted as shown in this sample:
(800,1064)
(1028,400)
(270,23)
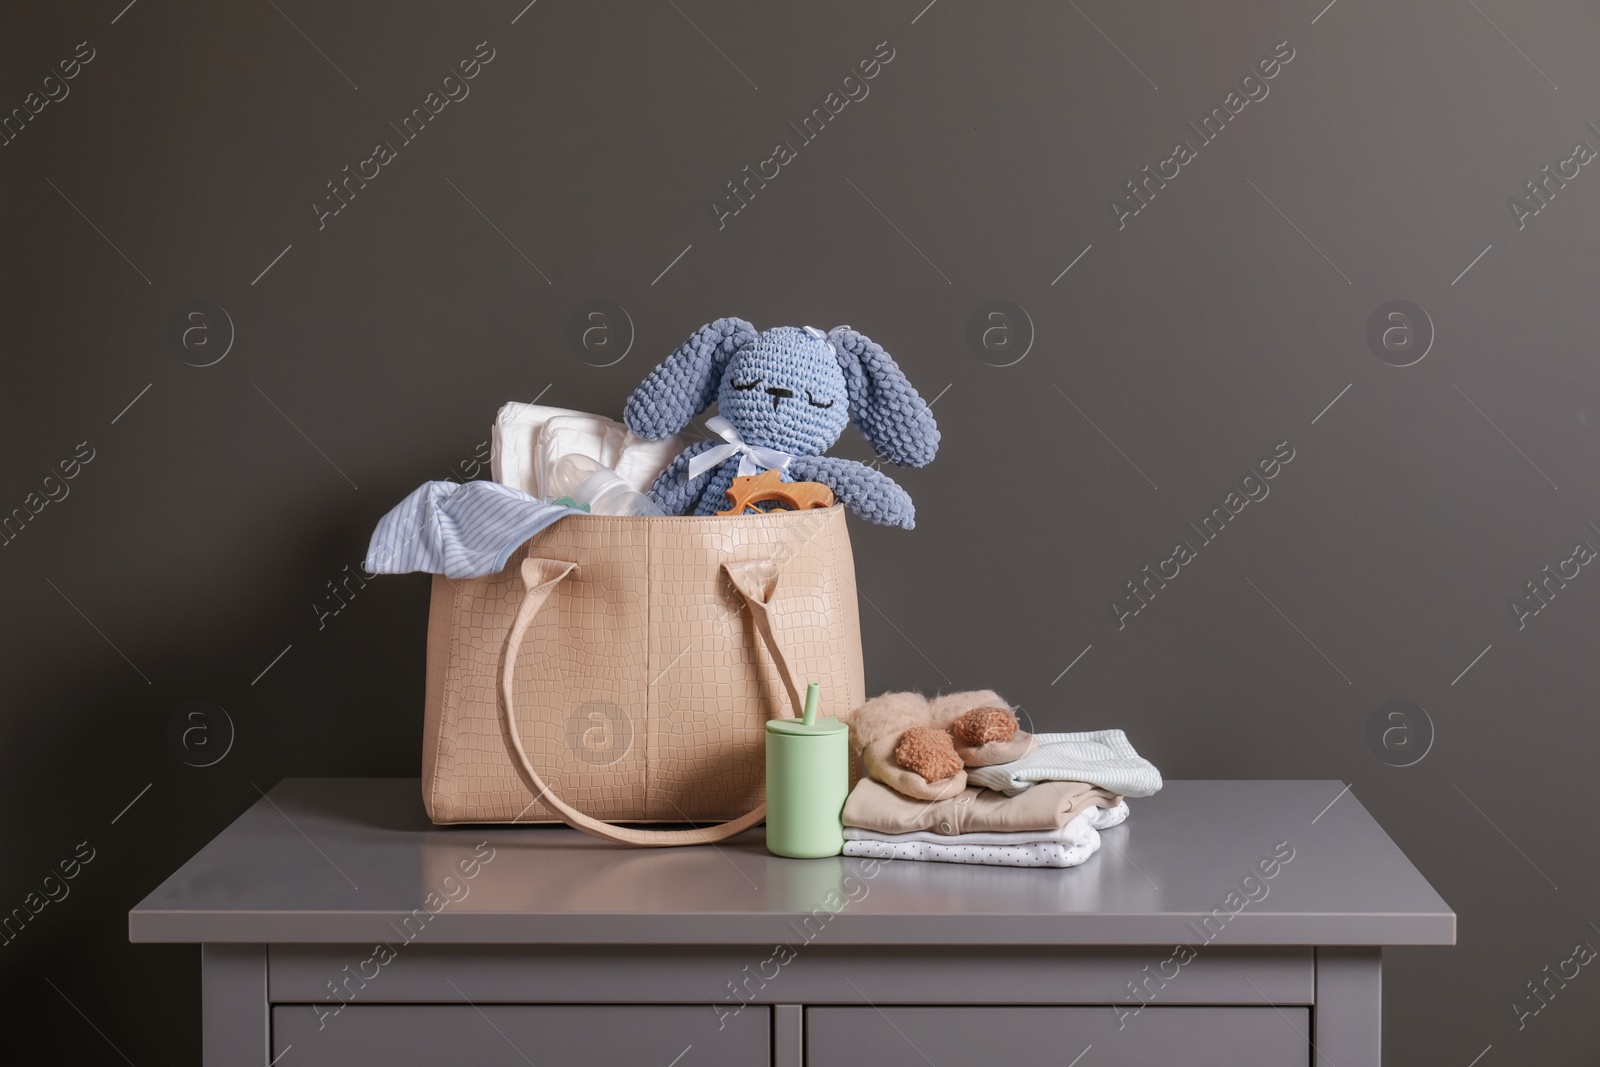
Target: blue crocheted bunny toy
(783,397)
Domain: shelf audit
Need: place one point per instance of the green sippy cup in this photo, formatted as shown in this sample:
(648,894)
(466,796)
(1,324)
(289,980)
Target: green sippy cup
(808,777)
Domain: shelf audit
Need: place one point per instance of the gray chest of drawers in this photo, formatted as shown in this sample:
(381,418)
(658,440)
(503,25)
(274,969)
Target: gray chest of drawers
(1226,923)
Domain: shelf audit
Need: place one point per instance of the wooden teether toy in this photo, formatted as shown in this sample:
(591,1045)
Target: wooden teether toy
(758,488)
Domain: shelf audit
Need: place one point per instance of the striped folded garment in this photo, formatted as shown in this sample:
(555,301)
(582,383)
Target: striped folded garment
(459,530)
(1066,846)
(1099,757)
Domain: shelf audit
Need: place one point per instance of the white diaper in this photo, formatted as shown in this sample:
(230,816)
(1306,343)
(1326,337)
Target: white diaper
(642,462)
(574,435)
(529,438)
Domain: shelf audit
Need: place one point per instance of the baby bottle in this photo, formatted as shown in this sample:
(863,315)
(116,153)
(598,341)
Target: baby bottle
(583,480)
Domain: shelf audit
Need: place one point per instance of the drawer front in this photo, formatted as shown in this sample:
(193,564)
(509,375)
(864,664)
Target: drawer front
(1194,1037)
(492,1035)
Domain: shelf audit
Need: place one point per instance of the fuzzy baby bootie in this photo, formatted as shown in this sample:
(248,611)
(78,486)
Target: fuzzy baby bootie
(987,735)
(880,762)
(921,747)
(882,724)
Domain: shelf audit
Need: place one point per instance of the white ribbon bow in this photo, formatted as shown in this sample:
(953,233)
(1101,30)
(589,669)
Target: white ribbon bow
(752,458)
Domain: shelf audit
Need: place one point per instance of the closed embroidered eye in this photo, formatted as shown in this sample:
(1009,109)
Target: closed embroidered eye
(746,385)
(817,403)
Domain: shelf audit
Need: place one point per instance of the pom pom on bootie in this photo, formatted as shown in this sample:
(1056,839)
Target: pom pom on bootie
(986,736)
(929,752)
(982,725)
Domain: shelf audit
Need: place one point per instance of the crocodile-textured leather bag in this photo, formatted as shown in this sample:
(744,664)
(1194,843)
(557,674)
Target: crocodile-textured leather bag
(622,669)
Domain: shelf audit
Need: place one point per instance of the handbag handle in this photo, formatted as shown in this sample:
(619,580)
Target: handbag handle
(756,582)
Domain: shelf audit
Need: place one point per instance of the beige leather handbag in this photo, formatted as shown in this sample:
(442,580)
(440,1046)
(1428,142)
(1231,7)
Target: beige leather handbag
(622,669)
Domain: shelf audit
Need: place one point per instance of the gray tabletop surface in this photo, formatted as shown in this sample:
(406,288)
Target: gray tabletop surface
(332,860)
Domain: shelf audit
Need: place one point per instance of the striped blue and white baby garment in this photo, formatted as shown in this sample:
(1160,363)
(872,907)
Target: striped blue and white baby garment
(457,529)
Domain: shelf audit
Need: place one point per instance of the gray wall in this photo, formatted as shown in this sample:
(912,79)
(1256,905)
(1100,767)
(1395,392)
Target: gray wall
(1112,406)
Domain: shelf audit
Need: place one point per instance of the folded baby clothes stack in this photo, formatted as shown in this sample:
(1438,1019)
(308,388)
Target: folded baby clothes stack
(954,779)
(1067,846)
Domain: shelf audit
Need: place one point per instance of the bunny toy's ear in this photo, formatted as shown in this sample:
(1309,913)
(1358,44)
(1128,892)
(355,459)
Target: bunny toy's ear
(884,405)
(686,382)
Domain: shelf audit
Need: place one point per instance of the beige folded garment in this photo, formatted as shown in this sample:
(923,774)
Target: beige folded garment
(1047,806)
